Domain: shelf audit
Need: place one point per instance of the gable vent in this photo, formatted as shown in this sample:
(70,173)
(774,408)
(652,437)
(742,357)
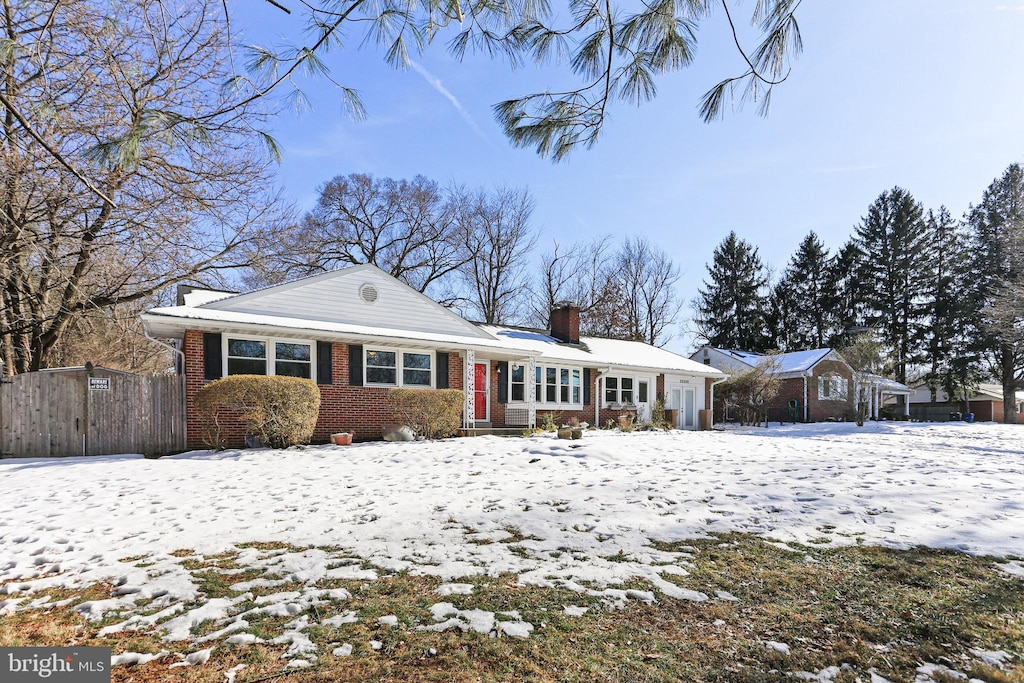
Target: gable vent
(368,293)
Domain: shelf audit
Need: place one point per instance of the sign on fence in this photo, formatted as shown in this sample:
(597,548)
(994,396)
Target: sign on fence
(99,384)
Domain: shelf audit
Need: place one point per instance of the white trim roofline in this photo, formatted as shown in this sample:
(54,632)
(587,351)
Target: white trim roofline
(172,323)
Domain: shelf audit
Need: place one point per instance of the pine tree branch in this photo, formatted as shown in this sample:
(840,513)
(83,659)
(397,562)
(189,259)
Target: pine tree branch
(53,152)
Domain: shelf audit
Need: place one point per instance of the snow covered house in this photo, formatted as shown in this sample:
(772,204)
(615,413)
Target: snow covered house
(986,403)
(817,384)
(358,332)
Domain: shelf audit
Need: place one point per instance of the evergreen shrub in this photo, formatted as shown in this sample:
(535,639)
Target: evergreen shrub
(280,411)
(430,413)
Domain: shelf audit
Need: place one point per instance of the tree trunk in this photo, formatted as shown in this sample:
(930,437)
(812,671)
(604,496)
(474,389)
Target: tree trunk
(1009,381)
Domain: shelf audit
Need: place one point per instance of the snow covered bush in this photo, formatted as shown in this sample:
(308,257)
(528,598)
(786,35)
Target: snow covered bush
(431,413)
(281,411)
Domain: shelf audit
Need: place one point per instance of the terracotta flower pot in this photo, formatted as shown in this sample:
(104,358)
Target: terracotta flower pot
(342,439)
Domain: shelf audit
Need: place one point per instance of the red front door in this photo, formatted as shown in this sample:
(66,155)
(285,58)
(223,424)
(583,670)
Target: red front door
(480,391)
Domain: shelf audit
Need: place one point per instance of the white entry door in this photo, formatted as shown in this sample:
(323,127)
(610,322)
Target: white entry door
(689,411)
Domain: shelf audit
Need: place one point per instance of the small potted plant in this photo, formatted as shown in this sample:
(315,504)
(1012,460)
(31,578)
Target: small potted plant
(342,438)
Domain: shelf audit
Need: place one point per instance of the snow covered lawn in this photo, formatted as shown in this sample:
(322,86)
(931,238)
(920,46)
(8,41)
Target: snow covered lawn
(585,515)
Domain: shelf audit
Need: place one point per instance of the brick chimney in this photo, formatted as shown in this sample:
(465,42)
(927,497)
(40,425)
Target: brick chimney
(565,322)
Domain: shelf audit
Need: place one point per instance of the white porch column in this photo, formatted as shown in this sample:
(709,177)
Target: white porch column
(906,405)
(531,391)
(469,386)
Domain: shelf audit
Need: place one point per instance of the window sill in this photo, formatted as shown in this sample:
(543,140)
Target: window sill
(552,406)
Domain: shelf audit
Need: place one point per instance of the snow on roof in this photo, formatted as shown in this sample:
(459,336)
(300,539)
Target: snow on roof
(601,351)
(794,361)
(799,361)
(593,351)
(886,384)
(995,391)
(748,357)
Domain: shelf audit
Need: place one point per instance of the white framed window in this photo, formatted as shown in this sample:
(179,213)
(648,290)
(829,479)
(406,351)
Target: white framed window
(611,389)
(832,388)
(517,384)
(398,367)
(626,390)
(553,385)
(254,356)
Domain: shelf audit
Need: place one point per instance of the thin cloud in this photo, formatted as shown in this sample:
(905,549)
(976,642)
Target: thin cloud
(437,85)
(1009,8)
(846,169)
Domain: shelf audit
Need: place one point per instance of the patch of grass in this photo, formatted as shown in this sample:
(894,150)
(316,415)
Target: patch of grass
(133,559)
(269,545)
(868,607)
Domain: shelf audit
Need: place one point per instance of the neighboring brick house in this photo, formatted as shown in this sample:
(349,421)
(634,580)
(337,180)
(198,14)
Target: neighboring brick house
(816,385)
(985,403)
(358,332)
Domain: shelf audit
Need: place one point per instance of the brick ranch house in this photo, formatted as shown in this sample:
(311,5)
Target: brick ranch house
(358,332)
(816,385)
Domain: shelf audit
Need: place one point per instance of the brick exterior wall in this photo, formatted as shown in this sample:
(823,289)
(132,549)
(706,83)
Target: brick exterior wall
(817,410)
(362,410)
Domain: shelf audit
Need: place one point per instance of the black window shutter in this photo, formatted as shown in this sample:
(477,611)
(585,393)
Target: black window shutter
(586,386)
(324,368)
(441,371)
(355,365)
(503,381)
(213,364)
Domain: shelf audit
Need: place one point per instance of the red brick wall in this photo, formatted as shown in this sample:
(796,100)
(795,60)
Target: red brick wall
(565,324)
(817,410)
(362,410)
(823,410)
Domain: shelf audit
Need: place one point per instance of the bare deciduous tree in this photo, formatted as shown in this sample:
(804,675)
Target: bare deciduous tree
(111,191)
(577,273)
(648,278)
(623,294)
(498,239)
(407,228)
(750,393)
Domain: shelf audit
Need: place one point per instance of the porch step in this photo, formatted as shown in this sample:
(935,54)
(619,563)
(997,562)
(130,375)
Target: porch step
(494,431)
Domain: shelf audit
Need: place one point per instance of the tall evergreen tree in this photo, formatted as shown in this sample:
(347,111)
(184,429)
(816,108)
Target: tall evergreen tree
(802,300)
(952,364)
(848,286)
(997,227)
(781,316)
(894,240)
(731,305)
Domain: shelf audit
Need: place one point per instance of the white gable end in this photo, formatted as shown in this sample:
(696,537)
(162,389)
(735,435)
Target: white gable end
(358,295)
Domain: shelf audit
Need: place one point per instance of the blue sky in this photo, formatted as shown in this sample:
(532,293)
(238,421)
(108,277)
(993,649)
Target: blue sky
(924,94)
